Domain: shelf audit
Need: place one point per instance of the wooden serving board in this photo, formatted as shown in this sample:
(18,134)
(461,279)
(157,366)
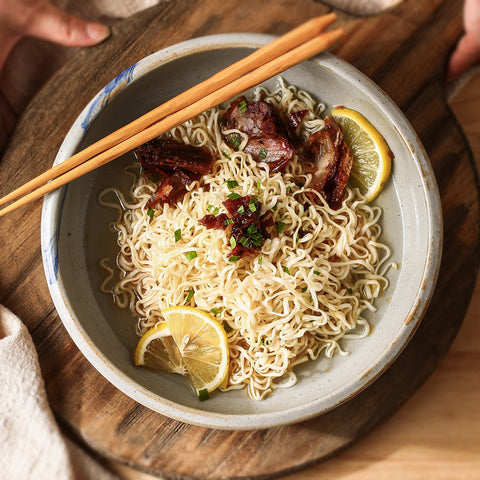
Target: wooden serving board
(404,50)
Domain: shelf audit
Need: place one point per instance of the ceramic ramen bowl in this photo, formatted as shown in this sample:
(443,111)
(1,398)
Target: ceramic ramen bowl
(75,237)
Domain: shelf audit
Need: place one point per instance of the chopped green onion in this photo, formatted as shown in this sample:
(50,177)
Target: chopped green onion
(257,241)
(288,189)
(274,208)
(227,327)
(231,183)
(259,185)
(241,210)
(226,155)
(233,242)
(190,295)
(228,221)
(260,260)
(234,196)
(316,272)
(178,235)
(191,255)
(203,395)
(243,106)
(263,153)
(216,210)
(234,258)
(304,289)
(216,311)
(244,241)
(350,290)
(280,227)
(234,141)
(286,270)
(209,207)
(252,207)
(222,121)
(151,212)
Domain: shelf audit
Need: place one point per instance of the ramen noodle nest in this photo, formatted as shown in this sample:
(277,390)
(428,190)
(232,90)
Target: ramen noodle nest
(295,298)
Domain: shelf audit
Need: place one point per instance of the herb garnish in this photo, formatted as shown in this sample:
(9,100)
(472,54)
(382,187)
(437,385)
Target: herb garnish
(231,184)
(243,106)
(280,226)
(191,255)
(203,395)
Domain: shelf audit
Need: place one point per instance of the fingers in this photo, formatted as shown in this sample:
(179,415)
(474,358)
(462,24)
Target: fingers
(465,55)
(53,24)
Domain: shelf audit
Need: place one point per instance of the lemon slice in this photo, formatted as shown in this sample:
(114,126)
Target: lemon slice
(372,158)
(158,351)
(190,342)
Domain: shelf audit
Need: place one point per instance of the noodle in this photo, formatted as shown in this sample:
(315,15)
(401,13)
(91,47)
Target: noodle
(297,298)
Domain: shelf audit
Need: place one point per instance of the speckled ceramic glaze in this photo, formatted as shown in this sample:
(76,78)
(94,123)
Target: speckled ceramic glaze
(75,237)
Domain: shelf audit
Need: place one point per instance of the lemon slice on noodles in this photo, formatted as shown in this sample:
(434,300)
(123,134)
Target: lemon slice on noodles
(372,157)
(158,351)
(190,342)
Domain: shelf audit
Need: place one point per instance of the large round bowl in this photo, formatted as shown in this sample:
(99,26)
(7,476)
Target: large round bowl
(75,237)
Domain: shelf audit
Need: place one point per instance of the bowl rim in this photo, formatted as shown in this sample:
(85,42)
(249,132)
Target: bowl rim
(52,211)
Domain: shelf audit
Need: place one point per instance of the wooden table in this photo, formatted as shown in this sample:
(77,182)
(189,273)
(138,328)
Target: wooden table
(404,51)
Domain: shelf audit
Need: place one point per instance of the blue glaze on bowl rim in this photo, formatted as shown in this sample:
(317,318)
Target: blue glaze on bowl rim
(104,96)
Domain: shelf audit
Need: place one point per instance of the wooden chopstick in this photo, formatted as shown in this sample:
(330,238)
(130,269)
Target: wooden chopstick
(265,71)
(286,42)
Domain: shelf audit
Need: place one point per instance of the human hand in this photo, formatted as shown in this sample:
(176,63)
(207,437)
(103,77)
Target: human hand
(41,19)
(467,51)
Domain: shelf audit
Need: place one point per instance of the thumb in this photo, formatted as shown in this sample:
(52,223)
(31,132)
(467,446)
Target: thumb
(465,55)
(53,24)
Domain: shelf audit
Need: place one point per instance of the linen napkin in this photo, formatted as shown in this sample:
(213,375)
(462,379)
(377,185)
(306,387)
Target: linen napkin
(32,446)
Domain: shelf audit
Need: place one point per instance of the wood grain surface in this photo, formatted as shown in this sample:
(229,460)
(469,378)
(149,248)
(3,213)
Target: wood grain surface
(404,51)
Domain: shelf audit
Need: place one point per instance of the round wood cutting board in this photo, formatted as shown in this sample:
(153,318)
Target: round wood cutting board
(404,51)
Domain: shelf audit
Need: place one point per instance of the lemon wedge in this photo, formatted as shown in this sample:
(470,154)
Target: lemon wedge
(158,351)
(372,158)
(190,342)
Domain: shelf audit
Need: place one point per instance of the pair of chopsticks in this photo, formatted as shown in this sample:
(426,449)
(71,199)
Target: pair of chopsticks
(294,47)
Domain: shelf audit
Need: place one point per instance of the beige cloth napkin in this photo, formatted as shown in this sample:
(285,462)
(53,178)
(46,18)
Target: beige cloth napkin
(32,446)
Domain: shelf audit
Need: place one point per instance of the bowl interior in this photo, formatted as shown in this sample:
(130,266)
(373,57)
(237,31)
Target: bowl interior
(75,238)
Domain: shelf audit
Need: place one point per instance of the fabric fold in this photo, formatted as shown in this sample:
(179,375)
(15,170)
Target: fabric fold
(33,446)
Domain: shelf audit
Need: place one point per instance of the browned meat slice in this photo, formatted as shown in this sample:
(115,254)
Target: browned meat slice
(272,149)
(172,188)
(248,228)
(292,123)
(252,118)
(336,188)
(215,221)
(323,146)
(176,163)
(267,141)
(332,162)
(163,155)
